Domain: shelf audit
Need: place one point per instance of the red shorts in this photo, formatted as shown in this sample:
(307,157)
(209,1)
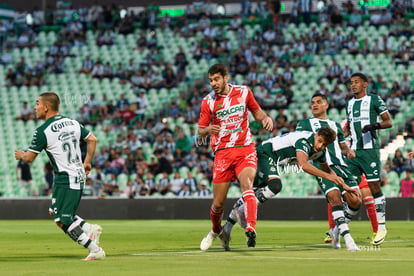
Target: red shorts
(364,183)
(228,163)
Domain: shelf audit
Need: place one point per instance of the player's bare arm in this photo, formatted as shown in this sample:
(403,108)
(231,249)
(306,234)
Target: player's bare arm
(91,143)
(310,169)
(325,167)
(347,131)
(25,156)
(350,153)
(266,121)
(211,129)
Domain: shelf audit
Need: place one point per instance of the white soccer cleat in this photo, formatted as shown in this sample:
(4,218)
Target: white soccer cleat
(96,233)
(100,255)
(240,216)
(208,240)
(351,246)
(334,233)
(379,237)
(225,236)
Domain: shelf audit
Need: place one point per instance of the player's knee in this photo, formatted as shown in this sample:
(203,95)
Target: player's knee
(354,200)
(273,188)
(275,185)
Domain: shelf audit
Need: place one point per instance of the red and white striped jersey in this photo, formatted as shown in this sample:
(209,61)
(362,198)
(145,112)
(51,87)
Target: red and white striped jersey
(230,113)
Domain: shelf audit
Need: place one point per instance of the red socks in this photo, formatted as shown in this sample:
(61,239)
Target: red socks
(250,209)
(216,217)
(330,217)
(372,214)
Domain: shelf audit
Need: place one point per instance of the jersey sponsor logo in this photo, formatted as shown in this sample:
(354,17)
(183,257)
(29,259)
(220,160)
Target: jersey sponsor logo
(230,111)
(232,121)
(373,164)
(220,106)
(234,130)
(66,135)
(57,126)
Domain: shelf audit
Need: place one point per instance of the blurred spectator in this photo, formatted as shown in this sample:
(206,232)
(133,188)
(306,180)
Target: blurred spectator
(88,189)
(355,19)
(129,190)
(176,183)
(6,57)
(24,175)
(204,190)
(393,104)
(107,71)
(127,114)
(98,70)
(338,98)
(26,113)
(406,185)
(191,182)
(164,184)
(49,177)
(184,191)
(111,187)
(162,164)
(399,163)
(98,181)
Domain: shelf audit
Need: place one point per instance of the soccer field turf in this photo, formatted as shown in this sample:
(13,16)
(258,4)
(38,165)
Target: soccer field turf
(171,247)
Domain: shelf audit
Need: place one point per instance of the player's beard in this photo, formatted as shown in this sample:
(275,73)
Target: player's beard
(222,89)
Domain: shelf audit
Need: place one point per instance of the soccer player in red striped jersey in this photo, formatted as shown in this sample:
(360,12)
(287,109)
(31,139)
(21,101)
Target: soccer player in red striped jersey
(224,117)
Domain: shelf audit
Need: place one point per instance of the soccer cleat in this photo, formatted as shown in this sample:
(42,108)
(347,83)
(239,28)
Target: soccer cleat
(96,231)
(96,256)
(251,238)
(240,216)
(328,238)
(208,240)
(351,246)
(225,236)
(334,233)
(379,237)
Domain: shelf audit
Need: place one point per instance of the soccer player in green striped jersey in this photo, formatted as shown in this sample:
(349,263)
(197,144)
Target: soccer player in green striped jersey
(293,148)
(60,138)
(319,106)
(362,113)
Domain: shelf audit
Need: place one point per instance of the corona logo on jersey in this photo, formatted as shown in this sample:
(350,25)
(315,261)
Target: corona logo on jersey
(230,111)
(56,127)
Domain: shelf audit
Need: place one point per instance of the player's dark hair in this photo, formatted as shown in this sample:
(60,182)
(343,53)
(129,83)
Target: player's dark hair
(218,68)
(318,94)
(328,134)
(52,99)
(362,76)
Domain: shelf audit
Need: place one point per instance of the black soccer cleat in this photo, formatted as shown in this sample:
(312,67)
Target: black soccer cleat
(251,238)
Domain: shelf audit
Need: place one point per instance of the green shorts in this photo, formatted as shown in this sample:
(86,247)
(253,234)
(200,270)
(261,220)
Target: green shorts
(64,204)
(366,162)
(266,169)
(328,186)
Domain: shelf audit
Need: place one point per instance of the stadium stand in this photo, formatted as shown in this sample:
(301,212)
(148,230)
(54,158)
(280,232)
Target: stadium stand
(259,52)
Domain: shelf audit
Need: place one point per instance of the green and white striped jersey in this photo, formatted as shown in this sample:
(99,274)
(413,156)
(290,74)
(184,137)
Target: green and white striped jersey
(362,112)
(282,149)
(333,154)
(60,137)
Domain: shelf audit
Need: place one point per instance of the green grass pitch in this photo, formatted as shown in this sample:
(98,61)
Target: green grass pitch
(171,247)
